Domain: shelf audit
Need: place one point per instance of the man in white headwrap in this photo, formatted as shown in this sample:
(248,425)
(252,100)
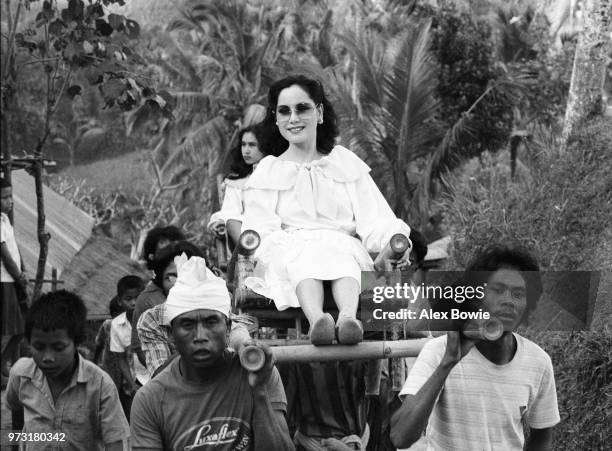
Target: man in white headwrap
(205,399)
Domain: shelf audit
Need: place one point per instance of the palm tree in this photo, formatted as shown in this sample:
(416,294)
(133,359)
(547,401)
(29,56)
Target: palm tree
(388,106)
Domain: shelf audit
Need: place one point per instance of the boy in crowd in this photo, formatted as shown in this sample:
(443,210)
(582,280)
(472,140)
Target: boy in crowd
(133,374)
(478,394)
(102,355)
(14,283)
(60,392)
(204,397)
(153,294)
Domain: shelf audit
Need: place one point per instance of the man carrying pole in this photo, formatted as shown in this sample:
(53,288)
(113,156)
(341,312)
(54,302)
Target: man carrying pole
(204,399)
(478,394)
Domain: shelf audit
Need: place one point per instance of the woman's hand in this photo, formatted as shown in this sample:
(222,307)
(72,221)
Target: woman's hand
(218,228)
(384,260)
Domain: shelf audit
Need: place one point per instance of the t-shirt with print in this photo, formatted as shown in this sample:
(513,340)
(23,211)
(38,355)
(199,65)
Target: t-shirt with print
(173,413)
(482,405)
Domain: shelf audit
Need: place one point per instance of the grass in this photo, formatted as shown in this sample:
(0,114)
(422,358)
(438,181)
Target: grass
(128,173)
(582,364)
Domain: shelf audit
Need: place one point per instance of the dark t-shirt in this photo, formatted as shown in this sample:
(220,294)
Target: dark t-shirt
(172,413)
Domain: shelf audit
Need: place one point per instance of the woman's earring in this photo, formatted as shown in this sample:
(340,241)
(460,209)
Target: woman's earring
(320,121)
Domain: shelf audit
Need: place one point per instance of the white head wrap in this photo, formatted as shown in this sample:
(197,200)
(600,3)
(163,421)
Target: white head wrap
(196,288)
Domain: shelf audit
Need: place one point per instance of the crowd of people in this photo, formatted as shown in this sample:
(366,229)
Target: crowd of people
(163,374)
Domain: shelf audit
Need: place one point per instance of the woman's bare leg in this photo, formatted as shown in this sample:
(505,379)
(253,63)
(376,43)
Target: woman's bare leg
(346,296)
(310,296)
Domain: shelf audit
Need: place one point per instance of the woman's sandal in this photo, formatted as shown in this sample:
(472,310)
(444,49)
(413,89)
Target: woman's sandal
(322,331)
(349,331)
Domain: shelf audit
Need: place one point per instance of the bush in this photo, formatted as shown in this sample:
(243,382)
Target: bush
(559,205)
(463,47)
(583,374)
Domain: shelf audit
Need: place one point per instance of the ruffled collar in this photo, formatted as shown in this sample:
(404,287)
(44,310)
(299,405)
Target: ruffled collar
(313,181)
(236,183)
(340,165)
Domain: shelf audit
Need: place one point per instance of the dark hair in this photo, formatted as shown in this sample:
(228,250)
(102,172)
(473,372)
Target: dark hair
(58,310)
(114,307)
(496,257)
(4,183)
(161,262)
(274,143)
(239,168)
(170,233)
(128,283)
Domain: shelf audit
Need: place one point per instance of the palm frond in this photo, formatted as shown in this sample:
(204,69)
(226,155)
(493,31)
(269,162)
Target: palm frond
(369,64)
(198,145)
(189,103)
(410,96)
(445,156)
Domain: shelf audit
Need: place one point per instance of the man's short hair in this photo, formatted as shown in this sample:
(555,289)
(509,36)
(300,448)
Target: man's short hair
(58,310)
(128,283)
(170,233)
(500,256)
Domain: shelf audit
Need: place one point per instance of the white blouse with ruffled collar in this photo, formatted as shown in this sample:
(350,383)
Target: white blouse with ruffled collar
(335,192)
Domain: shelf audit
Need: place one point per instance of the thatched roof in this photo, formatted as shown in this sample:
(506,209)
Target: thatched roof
(69,226)
(94,271)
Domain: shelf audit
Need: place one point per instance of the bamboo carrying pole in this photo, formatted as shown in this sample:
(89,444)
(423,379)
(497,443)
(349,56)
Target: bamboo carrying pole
(253,359)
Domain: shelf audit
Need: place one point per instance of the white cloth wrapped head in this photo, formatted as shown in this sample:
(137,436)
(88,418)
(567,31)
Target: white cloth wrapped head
(196,288)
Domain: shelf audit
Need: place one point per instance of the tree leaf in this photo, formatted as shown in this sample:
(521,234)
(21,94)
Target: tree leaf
(88,48)
(76,8)
(116,21)
(103,27)
(74,90)
(132,29)
(94,11)
(55,27)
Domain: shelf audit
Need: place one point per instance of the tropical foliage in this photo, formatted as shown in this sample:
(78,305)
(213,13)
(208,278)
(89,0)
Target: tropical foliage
(419,88)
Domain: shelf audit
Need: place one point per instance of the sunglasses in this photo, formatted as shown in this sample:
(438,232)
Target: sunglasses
(303,111)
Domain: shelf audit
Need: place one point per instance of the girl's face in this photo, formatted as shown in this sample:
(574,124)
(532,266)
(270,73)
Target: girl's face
(250,149)
(297,115)
(169,277)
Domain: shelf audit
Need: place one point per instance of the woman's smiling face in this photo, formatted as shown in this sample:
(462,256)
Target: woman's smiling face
(297,115)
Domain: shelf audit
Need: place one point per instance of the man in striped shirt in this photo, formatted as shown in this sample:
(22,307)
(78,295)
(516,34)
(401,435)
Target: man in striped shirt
(478,394)
(326,402)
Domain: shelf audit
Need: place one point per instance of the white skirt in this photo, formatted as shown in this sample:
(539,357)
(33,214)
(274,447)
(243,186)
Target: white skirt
(285,258)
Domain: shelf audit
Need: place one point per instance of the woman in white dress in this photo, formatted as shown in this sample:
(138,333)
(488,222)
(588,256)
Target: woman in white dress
(245,157)
(317,210)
